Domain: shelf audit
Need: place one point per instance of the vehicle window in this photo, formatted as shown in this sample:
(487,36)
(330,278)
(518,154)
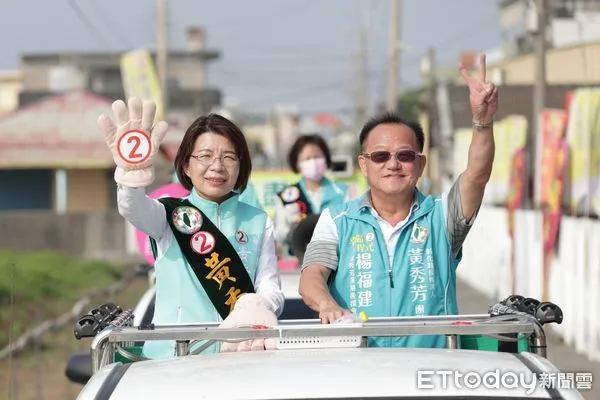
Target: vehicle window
(149,314)
(296,309)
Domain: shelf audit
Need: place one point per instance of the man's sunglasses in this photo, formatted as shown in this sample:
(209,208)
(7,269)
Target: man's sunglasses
(379,157)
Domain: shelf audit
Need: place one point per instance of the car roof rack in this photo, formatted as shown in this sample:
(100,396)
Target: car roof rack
(312,334)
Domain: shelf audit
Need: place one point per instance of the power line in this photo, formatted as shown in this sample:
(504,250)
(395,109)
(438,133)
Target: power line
(289,49)
(464,33)
(446,45)
(268,81)
(295,57)
(87,23)
(304,92)
(257,71)
(375,6)
(308,92)
(162,53)
(288,11)
(113,28)
(393,54)
(338,110)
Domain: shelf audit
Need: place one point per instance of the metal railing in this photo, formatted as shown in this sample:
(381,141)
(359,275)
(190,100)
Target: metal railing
(107,342)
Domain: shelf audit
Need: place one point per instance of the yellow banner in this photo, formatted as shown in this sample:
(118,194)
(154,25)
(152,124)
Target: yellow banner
(583,135)
(595,155)
(509,135)
(140,79)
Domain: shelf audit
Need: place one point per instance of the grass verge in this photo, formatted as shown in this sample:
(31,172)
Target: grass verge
(39,285)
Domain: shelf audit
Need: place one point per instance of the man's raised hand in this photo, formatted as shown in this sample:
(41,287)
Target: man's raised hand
(483,95)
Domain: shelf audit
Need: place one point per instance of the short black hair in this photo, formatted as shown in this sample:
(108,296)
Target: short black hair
(218,125)
(301,142)
(392,118)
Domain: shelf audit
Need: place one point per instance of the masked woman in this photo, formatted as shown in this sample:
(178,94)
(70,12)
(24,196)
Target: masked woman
(215,256)
(310,157)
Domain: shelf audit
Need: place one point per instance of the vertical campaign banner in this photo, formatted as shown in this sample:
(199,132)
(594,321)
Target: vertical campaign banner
(583,137)
(595,154)
(514,202)
(552,166)
(141,80)
(509,134)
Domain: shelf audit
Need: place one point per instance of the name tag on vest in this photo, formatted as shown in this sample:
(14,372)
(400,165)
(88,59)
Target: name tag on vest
(209,253)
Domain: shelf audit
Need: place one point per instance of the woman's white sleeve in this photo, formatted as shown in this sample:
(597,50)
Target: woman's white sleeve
(268,281)
(146,214)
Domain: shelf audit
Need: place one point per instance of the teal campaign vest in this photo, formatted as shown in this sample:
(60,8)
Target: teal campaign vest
(180,297)
(333,193)
(250,196)
(421,280)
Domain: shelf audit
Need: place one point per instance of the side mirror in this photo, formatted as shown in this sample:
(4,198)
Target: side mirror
(79,368)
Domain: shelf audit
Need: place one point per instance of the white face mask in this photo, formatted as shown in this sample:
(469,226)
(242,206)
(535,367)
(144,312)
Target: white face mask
(313,169)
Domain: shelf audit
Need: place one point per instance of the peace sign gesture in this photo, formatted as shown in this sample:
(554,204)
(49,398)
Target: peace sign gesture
(483,95)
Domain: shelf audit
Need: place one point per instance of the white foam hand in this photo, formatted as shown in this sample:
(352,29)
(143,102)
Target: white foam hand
(133,140)
(250,310)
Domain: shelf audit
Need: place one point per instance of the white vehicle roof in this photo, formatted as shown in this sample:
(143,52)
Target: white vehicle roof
(323,373)
(350,373)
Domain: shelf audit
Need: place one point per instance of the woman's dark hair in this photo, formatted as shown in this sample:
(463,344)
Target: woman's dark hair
(299,145)
(218,125)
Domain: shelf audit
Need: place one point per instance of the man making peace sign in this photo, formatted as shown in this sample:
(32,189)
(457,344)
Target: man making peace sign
(394,251)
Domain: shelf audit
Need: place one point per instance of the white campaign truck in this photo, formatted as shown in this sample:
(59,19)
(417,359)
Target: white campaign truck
(494,356)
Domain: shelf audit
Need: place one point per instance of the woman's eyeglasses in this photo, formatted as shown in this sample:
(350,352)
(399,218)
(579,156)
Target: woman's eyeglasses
(206,159)
(380,157)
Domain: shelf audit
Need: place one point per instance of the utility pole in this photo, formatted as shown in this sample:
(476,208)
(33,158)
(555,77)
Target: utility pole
(393,44)
(276,124)
(363,79)
(539,102)
(429,73)
(162,52)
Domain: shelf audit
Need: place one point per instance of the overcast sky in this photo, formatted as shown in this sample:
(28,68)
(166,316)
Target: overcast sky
(291,52)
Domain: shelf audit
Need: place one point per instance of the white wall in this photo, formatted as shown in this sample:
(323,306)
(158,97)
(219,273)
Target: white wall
(574,273)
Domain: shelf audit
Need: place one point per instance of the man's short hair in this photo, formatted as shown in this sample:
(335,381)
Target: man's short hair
(392,118)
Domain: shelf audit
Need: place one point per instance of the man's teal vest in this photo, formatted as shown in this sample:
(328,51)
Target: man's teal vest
(421,281)
(180,297)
